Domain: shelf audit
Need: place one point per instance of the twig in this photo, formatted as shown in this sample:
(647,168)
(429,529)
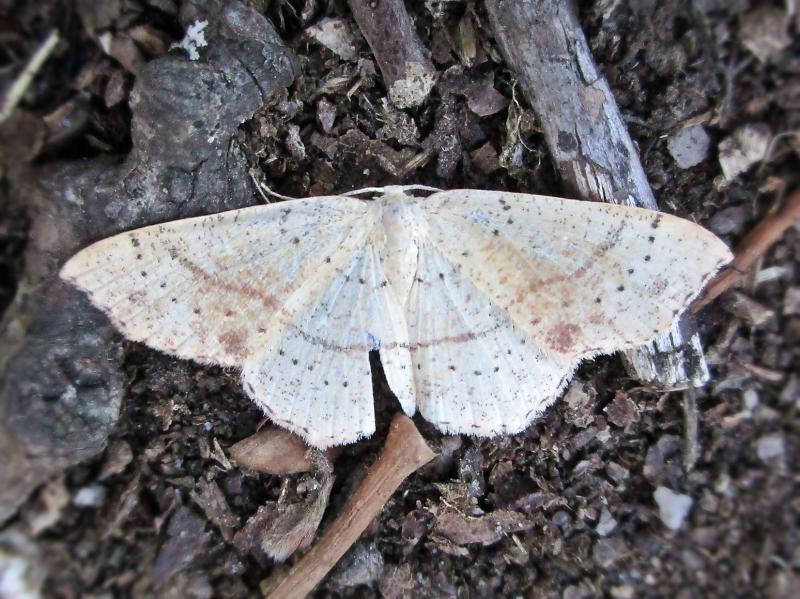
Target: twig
(691,448)
(544,46)
(407,70)
(754,245)
(23,81)
(404,452)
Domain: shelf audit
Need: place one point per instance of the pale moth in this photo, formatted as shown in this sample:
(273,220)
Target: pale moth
(481,303)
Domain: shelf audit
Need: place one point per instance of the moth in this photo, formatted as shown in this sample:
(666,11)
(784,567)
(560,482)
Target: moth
(481,304)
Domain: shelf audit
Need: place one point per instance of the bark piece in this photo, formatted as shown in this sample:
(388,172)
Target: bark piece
(407,69)
(543,44)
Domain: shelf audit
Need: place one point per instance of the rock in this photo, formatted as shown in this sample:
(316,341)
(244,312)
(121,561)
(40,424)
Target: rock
(619,474)
(326,115)
(729,220)
(186,541)
(689,146)
(741,150)
(622,411)
(485,158)
(92,496)
(765,31)
(362,564)
(482,97)
(606,524)
(118,455)
(791,302)
(562,519)
(623,591)
(659,455)
(336,36)
(580,400)
(61,388)
(770,448)
(21,572)
(672,507)
(608,551)
(750,399)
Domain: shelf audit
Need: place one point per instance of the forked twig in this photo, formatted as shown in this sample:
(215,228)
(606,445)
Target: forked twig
(404,452)
(754,245)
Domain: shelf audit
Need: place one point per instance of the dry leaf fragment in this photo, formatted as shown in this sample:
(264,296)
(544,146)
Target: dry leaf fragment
(486,530)
(279,529)
(272,450)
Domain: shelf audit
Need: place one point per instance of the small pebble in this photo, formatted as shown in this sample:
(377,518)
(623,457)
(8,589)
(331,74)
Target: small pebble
(562,519)
(607,523)
(672,507)
(791,302)
(770,447)
(91,496)
(689,146)
(741,150)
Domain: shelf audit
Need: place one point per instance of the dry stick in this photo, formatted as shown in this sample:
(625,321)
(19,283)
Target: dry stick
(405,451)
(691,443)
(407,69)
(752,247)
(23,82)
(544,46)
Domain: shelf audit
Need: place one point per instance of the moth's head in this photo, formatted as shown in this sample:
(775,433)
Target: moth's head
(393,192)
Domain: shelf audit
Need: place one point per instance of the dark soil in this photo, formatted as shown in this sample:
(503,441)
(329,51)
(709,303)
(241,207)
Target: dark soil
(581,480)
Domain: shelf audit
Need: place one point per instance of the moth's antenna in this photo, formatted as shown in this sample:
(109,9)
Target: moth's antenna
(264,191)
(402,188)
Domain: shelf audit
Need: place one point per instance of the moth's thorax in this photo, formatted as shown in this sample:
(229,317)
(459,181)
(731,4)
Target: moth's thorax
(397,239)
